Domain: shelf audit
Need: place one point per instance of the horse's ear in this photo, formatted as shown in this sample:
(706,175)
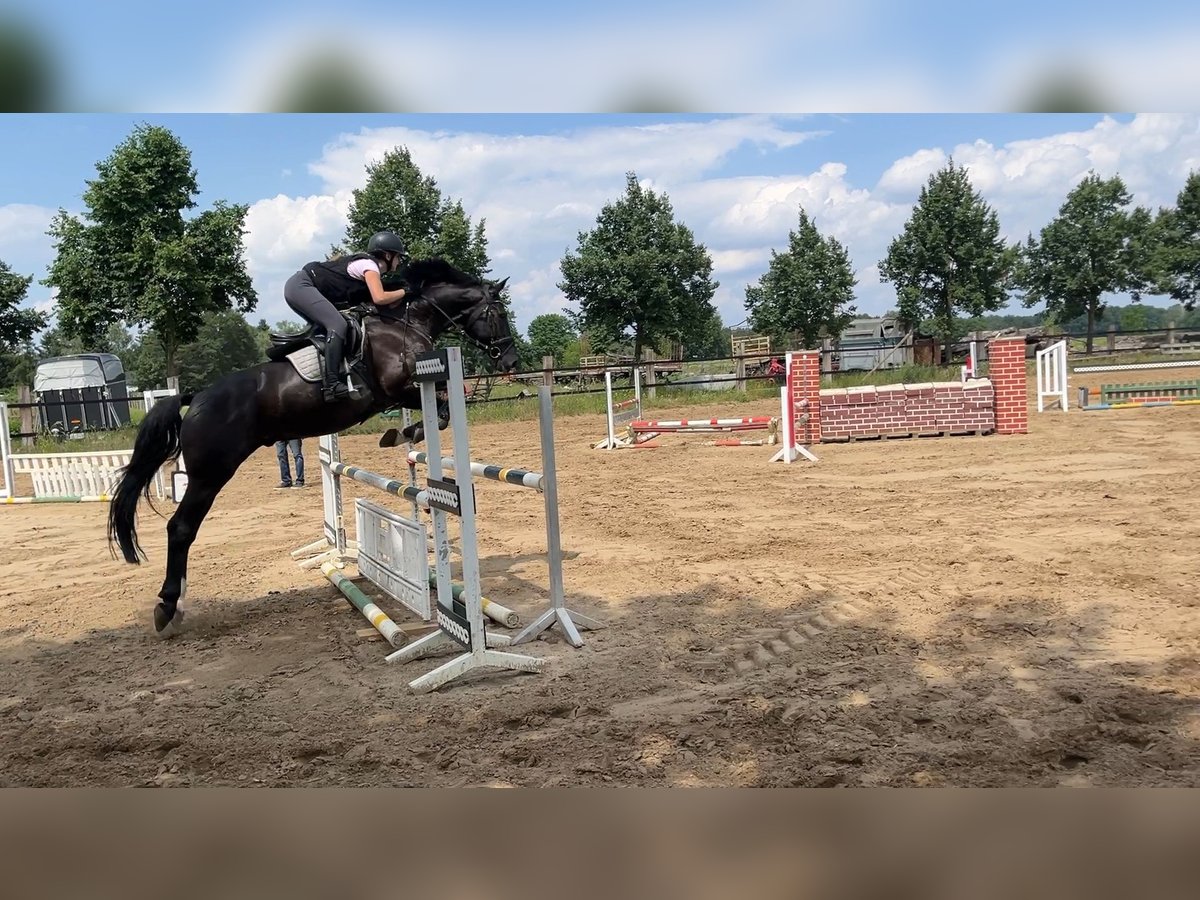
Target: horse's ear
(501,284)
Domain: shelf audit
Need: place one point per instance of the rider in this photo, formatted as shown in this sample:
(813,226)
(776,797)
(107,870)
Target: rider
(320,289)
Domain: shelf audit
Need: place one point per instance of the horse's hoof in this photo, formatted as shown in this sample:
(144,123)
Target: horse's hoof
(167,629)
(390,438)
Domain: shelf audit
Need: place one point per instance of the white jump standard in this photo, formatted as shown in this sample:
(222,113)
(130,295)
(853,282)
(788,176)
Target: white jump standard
(545,482)
(621,415)
(793,414)
(568,620)
(459,623)
(1052,376)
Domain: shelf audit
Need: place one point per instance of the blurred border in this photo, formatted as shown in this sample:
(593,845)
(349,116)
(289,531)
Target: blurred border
(699,844)
(771,56)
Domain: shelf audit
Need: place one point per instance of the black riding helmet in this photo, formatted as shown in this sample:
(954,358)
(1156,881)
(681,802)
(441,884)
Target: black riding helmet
(382,242)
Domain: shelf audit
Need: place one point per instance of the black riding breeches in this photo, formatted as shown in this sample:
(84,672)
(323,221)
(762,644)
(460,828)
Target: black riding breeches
(312,306)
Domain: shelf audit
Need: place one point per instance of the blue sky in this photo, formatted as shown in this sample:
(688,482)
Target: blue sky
(736,180)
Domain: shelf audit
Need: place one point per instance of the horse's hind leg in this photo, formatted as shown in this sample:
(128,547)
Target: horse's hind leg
(181,532)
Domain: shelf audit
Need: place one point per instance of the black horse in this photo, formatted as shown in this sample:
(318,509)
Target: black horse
(242,411)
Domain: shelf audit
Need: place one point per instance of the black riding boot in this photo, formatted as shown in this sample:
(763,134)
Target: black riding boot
(335,388)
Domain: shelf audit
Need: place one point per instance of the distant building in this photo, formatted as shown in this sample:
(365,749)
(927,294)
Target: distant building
(872,343)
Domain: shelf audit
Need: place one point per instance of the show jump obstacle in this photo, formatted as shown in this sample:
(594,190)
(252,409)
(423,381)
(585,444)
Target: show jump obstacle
(810,415)
(1052,384)
(620,415)
(1138,395)
(627,429)
(392,550)
(996,404)
(1052,376)
(69,477)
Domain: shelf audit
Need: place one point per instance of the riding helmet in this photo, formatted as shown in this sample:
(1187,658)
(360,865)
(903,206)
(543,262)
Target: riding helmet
(386,242)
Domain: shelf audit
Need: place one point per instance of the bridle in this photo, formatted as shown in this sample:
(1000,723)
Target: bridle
(492,308)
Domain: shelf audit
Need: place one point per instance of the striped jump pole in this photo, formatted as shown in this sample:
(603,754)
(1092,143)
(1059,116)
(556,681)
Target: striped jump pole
(100,498)
(390,485)
(1139,405)
(508,475)
(1141,367)
(747,423)
(501,615)
(365,605)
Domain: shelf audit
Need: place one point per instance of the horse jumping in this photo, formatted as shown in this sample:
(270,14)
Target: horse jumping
(269,402)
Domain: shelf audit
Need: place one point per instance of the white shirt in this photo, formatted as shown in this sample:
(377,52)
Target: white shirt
(359,268)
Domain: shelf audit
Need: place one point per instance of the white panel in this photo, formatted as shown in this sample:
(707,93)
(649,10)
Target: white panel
(393,553)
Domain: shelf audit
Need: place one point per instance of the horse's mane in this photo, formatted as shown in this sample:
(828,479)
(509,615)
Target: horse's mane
(430,271)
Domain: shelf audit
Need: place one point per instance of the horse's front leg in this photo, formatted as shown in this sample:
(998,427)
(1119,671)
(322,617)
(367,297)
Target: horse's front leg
(410,398)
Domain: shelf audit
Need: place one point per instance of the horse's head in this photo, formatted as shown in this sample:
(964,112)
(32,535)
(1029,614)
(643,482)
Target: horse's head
(471,305)
(487,324)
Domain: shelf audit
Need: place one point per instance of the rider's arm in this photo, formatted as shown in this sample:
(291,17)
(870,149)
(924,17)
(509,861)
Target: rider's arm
(378,295)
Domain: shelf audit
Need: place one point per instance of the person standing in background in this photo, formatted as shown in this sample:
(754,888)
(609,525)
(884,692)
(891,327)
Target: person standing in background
(285,474)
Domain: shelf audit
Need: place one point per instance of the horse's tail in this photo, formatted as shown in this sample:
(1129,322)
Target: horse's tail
(157,442)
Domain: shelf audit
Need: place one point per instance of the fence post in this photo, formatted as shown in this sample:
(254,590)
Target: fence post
(1170,332)
(651,376)
(1112,338)
(28,425)
(548,370)
(739,371)
(826,356)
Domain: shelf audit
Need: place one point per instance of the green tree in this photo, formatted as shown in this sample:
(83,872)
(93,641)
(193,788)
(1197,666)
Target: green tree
(225,342)
(136,258)
(709,340)
(55,342)
(639,273)
(399,197)
(329,82)
(1094,246)
(147,367)
(808,289)
(1135,317)
(1175,265)
(549,335)
(949,258)
(29,73)
(115,339)
(460,242)
(17,326)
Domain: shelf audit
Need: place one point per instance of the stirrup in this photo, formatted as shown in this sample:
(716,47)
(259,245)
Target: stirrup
(334,393)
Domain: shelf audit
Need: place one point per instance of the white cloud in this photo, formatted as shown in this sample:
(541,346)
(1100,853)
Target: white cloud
(538,191)
(741,260)
(1028,180)
(24,223)
(288,231)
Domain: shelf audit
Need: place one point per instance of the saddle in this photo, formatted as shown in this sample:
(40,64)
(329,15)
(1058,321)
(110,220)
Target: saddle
(305,350)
